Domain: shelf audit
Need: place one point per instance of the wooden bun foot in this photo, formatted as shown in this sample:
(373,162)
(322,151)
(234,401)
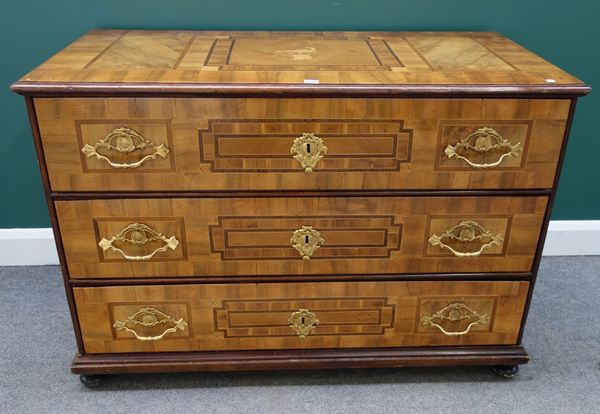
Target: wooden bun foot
(91,381)
(506,371)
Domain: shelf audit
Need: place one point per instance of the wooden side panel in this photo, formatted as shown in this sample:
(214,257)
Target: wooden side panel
(245,144)
(255,316)
(253,236)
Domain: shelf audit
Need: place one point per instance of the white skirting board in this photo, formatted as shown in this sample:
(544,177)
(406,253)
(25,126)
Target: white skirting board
(26,247)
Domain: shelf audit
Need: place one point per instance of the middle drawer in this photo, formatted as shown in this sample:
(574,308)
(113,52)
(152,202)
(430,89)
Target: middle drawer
(166,237)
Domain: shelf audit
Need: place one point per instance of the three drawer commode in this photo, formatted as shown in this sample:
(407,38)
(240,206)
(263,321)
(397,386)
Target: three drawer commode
(287,200)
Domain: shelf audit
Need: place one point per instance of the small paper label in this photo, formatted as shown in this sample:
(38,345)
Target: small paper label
(549,80)
(312,81)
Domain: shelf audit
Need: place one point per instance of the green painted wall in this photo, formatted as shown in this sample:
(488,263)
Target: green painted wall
(565,33)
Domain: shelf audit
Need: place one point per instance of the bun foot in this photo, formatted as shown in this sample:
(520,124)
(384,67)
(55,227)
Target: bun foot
(90,381)
(506,371)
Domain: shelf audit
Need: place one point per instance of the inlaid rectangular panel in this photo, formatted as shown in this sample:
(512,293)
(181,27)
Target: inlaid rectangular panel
(109,147)
(464,53)
(336,316)
(129,319)
(461,234)
(158,50)
(271,236)
(175,144)
(140,238)
(454,315)
(265,145)
(499,146)
(207,317)
(237,53)
(347,237)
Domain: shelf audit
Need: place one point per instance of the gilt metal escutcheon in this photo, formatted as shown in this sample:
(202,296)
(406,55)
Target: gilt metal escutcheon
(308,150)
(306,241)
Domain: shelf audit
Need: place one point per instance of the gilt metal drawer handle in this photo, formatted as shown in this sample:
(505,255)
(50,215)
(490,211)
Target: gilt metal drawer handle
(306,241)
(149,317)
(124,140)
(455,312)
(467,231)
(303,322)
(308,150)
(481,141)
(138,234)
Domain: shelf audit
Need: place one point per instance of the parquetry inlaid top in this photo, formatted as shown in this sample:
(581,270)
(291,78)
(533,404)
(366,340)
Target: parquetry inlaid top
(193,61)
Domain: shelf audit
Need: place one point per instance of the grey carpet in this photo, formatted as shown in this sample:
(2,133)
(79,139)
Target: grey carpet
(562,336)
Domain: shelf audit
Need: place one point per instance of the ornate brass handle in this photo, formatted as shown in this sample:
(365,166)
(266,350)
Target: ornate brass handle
(149,317)
(124,140)
(467,231)
(308,150)
(455,312)
(303,322)
(138,234)
(484,140)
(306,241)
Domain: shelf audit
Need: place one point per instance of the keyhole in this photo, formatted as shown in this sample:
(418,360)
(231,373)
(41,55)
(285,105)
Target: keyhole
(302,320)
(305,239)
(308,148)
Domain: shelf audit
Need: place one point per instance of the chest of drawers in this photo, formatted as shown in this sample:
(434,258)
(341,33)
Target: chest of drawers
(286,200)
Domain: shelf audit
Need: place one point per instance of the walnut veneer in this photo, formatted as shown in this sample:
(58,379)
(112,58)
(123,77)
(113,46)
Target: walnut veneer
(255,316)
(244,144)
(285,200)
(251,236)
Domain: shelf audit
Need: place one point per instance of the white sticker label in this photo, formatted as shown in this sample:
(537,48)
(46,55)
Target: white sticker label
(312,81)
(550,80)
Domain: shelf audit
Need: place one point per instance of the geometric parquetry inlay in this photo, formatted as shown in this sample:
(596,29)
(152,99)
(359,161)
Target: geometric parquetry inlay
(268,238)
(337,316)
(255,145)
(240,53)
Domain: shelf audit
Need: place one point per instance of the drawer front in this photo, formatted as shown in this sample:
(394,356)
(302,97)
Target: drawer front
(299,235)
(145,144)
(299,315)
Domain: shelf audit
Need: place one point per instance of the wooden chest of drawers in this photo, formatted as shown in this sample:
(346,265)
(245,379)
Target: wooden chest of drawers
(284,200)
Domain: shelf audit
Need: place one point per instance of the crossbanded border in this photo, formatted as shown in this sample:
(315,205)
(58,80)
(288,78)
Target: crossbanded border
(30,247)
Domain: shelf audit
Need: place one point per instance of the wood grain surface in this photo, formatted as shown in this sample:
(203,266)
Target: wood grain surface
(175,196)
(105,60)
(255,316)
(245,144)
(251,236)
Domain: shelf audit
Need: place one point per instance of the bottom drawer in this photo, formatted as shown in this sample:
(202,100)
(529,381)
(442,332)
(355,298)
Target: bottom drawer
(299,315)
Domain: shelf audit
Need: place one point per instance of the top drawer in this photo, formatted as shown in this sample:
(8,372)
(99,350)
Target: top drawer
(176,144)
